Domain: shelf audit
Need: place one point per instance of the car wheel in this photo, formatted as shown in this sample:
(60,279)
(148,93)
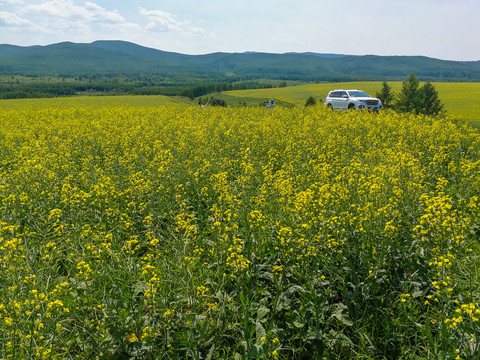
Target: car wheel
(329,107)
(351,107)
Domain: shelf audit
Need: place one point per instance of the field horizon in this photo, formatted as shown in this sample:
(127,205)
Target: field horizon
(459,98)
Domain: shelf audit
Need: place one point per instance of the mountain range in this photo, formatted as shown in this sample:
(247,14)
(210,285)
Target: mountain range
(125,58)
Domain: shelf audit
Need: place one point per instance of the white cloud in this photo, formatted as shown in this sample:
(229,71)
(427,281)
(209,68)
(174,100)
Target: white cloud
(11,2)
(57,8)
(49,21)
(439,28)
(67,9)
(103,14)
(12,19)
(198,30)
(162,21)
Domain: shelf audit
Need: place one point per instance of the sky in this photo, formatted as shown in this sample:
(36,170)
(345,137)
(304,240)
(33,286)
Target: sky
(444,29)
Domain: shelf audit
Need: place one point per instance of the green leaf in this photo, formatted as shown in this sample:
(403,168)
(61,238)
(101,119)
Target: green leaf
(293,289)
(135,348)
(139,287)
(314,335)
(283,302)
(260,331)
(256,350)
(262,311)
(210,352)
(298,323)
(203,329)
(340,316)
(417,294)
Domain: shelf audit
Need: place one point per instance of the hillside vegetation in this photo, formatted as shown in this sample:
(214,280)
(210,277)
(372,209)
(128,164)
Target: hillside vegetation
(123,58)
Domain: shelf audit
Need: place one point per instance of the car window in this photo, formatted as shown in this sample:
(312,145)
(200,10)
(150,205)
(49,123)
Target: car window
(342,93)
(358,93)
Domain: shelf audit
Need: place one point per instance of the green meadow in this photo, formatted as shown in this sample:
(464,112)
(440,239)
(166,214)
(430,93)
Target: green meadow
(460,99)
(90,101)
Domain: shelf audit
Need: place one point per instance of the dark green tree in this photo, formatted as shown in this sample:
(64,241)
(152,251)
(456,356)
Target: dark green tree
(218,102)
(385,95)
(409,99)
(310,101)
(431,104)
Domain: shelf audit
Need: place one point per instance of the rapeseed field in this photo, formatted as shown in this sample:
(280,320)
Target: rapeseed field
(237,233)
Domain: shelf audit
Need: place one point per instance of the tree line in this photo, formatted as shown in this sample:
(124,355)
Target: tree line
(120,86)
(412,97)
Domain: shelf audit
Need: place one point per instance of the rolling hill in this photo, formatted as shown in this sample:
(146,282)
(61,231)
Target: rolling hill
(120,57)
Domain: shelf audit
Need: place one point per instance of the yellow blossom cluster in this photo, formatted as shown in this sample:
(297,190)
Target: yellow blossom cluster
(143,231)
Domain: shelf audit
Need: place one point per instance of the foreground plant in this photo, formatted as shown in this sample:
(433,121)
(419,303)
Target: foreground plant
(165,232)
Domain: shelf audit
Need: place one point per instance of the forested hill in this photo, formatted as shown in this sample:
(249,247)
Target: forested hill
(119,57)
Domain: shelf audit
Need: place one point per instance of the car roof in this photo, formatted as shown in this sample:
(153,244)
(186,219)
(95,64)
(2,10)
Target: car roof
(347,90)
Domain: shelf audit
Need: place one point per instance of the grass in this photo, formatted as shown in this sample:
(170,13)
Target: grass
(147,232)
(90,101)
(460,99)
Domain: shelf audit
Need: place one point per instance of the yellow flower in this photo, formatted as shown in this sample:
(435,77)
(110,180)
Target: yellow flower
(168,313)
(131,338)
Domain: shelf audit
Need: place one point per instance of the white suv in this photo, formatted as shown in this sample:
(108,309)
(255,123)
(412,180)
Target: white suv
(351,100)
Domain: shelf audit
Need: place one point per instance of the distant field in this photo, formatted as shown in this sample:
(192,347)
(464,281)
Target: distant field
(91,101)
(462,99)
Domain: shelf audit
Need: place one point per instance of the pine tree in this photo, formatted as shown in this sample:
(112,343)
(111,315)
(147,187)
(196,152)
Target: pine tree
(431,104)
(409,99)
(310,101)
(385,95)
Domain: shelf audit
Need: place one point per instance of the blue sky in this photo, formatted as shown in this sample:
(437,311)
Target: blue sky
(436,28)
